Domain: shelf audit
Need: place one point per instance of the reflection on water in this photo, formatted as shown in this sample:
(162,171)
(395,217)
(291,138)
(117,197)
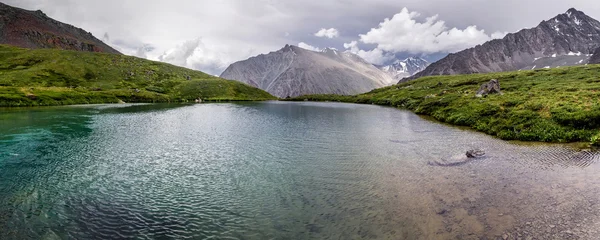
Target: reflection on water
(282,171)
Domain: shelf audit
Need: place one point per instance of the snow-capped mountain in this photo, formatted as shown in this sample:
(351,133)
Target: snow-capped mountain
(294,71)
(567,39)
(400,69)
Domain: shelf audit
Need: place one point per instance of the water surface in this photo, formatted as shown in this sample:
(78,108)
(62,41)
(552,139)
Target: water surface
(280,170)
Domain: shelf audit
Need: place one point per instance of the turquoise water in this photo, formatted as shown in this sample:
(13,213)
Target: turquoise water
(279,171)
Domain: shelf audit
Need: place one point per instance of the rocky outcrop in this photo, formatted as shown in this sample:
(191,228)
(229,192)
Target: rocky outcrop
(595,59)
(33,29)
(493,86)
(294,71)
(571,33)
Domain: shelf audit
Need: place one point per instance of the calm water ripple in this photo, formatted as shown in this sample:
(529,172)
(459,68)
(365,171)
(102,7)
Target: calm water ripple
(280,171)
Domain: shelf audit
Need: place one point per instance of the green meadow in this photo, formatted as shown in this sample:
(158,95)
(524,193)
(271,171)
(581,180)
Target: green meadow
(45,77)
(549,105)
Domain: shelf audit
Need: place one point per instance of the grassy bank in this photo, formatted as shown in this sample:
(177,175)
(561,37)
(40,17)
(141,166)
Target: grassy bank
(57,77)
(549,105)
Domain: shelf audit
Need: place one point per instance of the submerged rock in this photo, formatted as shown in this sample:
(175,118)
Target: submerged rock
(493,86)
(459,160)
(475,153)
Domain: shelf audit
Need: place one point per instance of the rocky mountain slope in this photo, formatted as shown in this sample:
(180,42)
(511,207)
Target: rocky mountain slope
(33,29)
(595,59)
(572,34)
(294,71)
(400,69)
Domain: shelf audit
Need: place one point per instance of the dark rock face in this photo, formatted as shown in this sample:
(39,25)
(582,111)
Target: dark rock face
(294,71)
(570,33)
(33,29)
(493,86)
(595,59)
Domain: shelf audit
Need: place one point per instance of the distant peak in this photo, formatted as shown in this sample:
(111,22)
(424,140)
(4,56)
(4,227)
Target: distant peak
(413,59)
(288,47)
(574,12)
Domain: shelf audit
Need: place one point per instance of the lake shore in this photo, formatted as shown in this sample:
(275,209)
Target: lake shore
(548,105)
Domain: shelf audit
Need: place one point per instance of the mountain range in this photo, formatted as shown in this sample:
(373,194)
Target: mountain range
(294,71)
(565,40)
(571,38)
(568,39)
(400,69)
(33,29)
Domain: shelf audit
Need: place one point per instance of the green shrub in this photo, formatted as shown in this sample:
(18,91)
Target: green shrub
(595,140)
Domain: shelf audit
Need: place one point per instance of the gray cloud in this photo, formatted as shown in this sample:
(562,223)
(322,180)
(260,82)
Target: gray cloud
(232,30)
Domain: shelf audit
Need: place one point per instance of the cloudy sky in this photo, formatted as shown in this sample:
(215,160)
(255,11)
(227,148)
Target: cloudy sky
(209,35)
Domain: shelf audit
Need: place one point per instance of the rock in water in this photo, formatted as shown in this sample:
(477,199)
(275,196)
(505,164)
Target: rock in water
(459,160)
(475,153)
(493,86)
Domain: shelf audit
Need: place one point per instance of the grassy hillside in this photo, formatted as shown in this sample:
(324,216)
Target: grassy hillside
(551,105)
(58,77)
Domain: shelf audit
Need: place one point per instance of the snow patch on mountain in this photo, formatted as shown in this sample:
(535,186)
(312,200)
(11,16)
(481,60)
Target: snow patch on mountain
(400,69)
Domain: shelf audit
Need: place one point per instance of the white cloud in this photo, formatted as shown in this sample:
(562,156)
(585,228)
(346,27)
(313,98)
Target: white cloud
(203,54)
(308,47)
(328,33)
(403,33)
(375,56)
(499,35)
(164,24)
(143,51)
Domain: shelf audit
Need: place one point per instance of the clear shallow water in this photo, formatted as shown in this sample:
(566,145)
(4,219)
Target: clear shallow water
(280,171)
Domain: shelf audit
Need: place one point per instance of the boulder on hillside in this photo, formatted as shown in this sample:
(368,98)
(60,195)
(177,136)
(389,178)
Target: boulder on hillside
(595,59)
(493,86)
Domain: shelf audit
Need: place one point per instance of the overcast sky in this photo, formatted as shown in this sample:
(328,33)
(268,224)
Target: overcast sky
(209,35)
